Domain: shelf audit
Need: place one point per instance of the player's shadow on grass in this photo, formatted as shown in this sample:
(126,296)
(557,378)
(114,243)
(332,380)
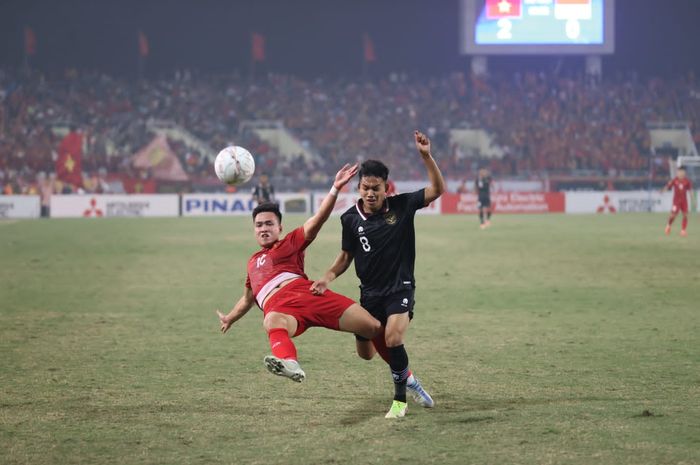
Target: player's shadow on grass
(455,409)
(370,408)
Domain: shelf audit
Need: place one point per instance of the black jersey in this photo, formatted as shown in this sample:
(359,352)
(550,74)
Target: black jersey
(384,244)
(483,187)
(267,193)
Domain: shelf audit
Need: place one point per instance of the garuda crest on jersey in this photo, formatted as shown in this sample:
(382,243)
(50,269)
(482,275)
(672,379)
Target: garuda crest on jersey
(390,218)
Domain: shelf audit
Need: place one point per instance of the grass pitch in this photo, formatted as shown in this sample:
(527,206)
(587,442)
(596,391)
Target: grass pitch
(545,339)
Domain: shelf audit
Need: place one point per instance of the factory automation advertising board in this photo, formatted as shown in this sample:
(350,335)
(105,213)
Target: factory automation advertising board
(537,26)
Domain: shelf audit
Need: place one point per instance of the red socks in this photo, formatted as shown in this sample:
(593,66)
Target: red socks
(383,351)
(685,223)
(281,345)
(380,344)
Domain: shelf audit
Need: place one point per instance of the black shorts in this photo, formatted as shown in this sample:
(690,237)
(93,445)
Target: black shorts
(381,307)
(484,202)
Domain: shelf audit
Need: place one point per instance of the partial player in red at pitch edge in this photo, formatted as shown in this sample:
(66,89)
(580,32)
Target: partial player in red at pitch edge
(681,188)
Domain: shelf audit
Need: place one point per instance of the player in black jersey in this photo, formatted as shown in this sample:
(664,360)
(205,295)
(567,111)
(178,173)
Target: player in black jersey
(482,185)
(379,234)
(264,192)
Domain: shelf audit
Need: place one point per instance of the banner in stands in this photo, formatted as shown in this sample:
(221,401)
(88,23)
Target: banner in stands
(506,202)
(19,206)
(239,204)
(347,200)
(618,202)
(95,206)
(506,185)
(294,203)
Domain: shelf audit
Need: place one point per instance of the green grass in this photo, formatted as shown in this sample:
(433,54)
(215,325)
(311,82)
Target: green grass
(545,339)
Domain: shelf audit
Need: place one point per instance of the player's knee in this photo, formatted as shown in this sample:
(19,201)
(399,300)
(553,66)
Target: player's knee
(267,326)
(273,322)
(393,339)
(370,328)
(374,328)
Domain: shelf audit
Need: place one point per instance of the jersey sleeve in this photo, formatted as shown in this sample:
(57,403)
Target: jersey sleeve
(416,200)
(348,241)
(296,239)
(247,282)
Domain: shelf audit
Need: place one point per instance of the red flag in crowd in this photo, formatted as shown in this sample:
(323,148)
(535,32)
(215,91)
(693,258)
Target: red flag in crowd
(143,45)
(496,9)
(257,47)
(29,41)
(69,163)
(368,49)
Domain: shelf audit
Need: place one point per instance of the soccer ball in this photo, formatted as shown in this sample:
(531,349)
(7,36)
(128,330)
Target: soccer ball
(234,165)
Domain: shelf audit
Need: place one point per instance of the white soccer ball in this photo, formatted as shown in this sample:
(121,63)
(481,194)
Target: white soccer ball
(234,165)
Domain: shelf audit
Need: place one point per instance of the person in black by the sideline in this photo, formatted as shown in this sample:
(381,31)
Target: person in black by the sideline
(482,185)
(264,192)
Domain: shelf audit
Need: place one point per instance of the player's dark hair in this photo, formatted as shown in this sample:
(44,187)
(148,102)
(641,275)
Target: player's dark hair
(681,168)
(374,168)
(268,207)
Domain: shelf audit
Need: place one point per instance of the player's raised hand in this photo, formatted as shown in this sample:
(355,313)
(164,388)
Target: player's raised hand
(319,287)
(422,142)
(225,323)
(344,175)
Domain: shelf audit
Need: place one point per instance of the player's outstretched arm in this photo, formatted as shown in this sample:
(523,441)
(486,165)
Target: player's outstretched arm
(667,186)
(341,263)
(313,224)
(437,182)
(241,308)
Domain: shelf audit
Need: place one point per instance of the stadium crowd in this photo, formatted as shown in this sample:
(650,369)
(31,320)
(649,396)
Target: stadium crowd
(542,123)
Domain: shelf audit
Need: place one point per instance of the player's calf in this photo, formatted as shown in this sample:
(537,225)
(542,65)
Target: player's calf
(365,348)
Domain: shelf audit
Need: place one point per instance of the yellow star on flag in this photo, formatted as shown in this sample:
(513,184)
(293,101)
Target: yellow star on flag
(69,163)
(156,156)
(504,6)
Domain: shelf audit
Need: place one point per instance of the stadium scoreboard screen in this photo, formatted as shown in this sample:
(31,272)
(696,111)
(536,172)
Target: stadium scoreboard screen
(513,27)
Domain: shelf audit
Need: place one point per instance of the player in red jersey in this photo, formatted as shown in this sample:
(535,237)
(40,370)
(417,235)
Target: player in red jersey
(681,187)
(277,283)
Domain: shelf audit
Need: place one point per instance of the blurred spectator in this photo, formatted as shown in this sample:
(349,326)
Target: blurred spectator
(543,123)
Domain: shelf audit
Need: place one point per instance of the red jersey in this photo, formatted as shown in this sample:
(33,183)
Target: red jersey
(271,266)
(680,188)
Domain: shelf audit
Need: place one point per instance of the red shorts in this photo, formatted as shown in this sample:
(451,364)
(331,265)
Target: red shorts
(680,207)
(297,300)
